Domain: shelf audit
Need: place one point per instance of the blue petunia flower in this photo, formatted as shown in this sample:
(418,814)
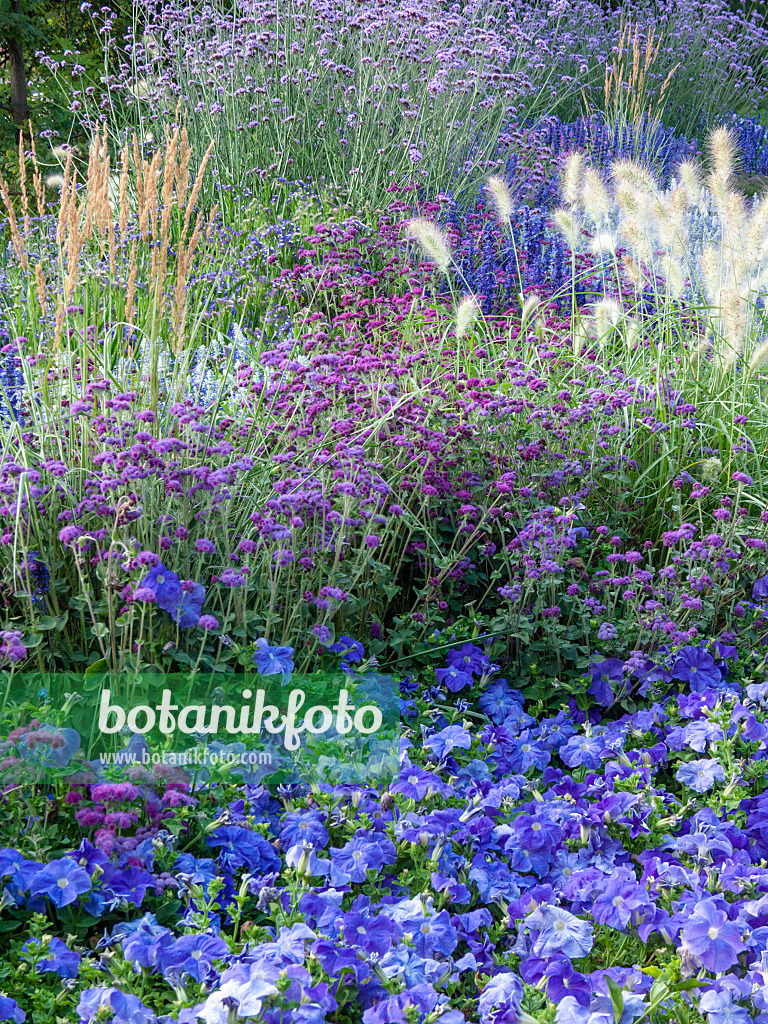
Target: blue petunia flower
(499,699)
(272,661)
(501,998)
(721,1009)
(62,881)
(166,585)
(559,931)
(183,602)
(583,750)
(187,611)
(469,658)
(696,667)
(240,847)
(351,651)
(605,672)
(448,739)
(700,775)
(124,1008)
(10,1010)
(455,677)
(712,937)
(59,958)
(352,862)
(192,956)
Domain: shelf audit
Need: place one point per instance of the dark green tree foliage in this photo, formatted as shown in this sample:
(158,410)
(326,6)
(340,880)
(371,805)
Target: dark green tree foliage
(28,91)
(19,29)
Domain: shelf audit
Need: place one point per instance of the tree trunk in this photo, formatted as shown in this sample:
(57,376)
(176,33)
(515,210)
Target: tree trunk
(17,78)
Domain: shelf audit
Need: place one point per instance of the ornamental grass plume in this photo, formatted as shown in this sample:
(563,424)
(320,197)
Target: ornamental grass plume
(466,313)
(628,95)
(433,242)
(606,319)
(94,212)
(698,241)
(501,197)
(530,304)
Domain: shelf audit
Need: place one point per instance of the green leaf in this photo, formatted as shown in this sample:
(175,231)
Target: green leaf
(659,991)
(689,983)
(617,998)
(47,622)
(97,666)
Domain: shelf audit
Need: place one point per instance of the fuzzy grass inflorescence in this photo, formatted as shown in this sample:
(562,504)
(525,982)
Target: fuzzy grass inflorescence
(699,241)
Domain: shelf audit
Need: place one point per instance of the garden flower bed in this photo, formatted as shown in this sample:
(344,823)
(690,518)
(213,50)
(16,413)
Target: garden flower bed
(384,521)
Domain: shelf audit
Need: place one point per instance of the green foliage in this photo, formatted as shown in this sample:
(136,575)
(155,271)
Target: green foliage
(67,35)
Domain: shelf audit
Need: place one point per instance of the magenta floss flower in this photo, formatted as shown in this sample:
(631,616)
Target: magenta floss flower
(12,650)
(230,578)
(69,534)
(607,631)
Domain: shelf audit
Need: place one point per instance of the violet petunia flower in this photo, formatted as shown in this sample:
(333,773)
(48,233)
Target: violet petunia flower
(712,937)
